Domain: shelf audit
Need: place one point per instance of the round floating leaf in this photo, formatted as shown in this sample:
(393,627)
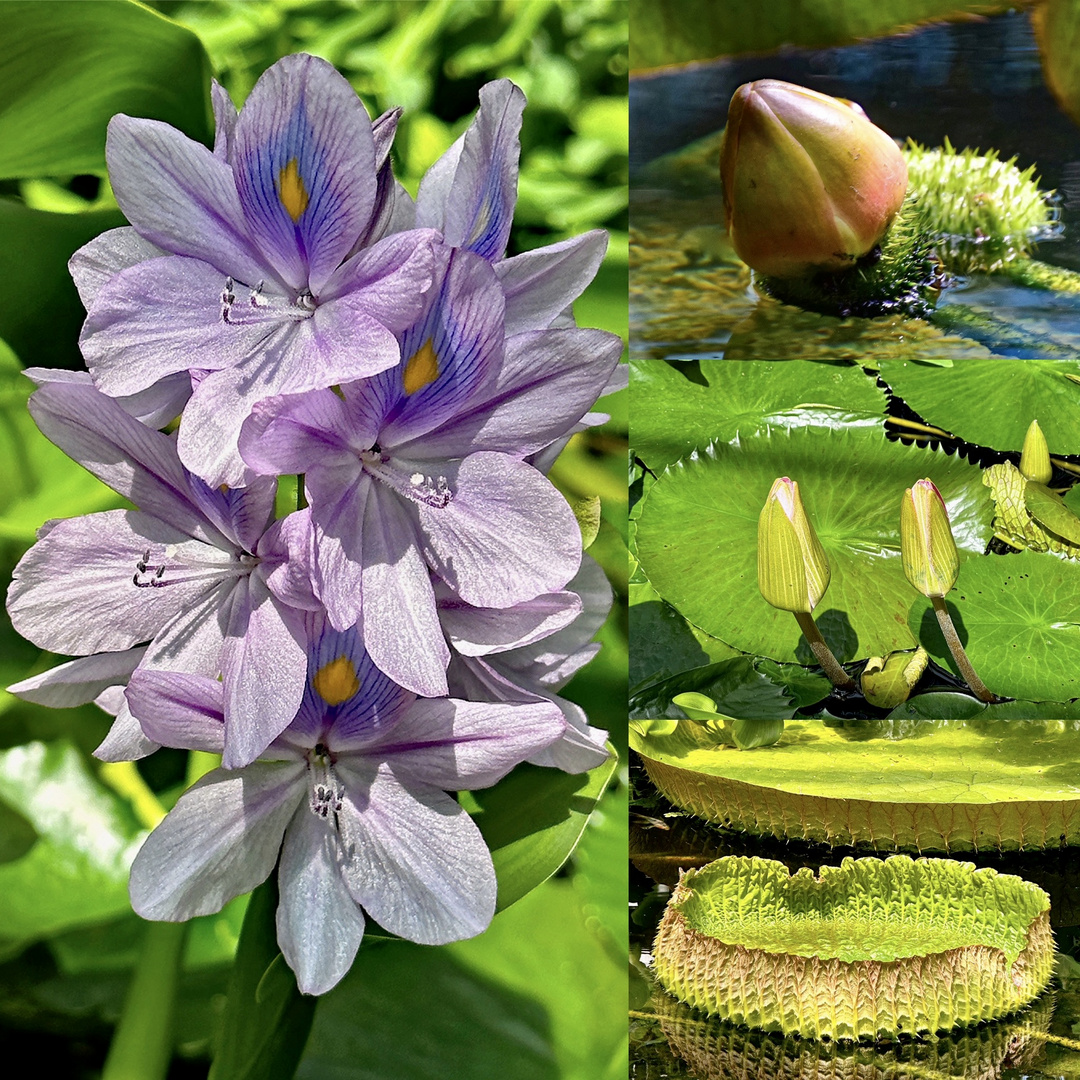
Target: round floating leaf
(1018,617)
(697,535)
(928,785)
(992,402)
(679,407)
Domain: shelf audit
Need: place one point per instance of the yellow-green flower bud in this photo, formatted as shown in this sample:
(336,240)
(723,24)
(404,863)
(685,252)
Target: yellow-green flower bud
(1035,458)
(793,572)
(887,681)
(926,541)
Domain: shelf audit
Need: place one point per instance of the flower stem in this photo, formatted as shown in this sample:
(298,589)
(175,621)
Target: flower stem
(141,1048)
(267,1019)
(837,675)
(978,687)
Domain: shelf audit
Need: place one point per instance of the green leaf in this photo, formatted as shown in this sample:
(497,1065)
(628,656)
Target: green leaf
(531,821)
(62,79)
(1018,620)
(992,402)
(267,1019)
(679,407)
(536,997)
(1057,30)
(43,326)
(734,687)
(697,536)
(599,876)
(678,31)
(76,873)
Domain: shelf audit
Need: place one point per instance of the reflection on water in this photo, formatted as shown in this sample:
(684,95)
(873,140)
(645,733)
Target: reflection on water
(979,83)
(712,1049)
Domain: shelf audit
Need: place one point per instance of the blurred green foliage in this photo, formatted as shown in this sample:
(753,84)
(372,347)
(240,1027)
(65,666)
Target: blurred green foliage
(569,57)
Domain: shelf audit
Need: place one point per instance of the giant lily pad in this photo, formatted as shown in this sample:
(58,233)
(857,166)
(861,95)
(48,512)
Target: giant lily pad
(1019,620)
(869,949)
(697,535)
(992,402)
(945,785)
(679,407)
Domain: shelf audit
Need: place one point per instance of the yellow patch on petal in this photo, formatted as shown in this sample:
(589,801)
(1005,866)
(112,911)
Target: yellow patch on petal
(291,190)
(422,368)
(336,681)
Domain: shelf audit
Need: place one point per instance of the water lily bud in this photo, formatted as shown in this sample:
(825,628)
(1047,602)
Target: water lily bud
(1035,458)
(793,572)
(809,182)
(926,541)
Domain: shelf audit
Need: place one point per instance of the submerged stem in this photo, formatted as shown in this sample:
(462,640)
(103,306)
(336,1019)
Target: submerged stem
(978,687)
(141,1048)
(837,675)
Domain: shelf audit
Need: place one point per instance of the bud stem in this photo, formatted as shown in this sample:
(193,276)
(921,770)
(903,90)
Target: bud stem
(837,675)
(978,688)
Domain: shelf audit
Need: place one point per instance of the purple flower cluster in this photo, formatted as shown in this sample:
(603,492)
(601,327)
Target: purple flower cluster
(406,632)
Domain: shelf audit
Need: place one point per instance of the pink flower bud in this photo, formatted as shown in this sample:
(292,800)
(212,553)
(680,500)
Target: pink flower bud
(809,183)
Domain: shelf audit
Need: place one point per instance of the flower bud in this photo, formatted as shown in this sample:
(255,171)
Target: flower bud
(809,183)
(1035,458)
(926,541)
(793,572)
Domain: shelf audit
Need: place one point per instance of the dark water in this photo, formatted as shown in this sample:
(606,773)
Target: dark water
(978,83)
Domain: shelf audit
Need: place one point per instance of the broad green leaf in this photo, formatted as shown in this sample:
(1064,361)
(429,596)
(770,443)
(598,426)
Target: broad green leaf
(992,402)
(531,821)
(77,871)
(43,315)
(665,32)
(1050,511)
(41,481)
(266,1019)
(1019,622)
(683,406)
(535,997)
(697,536)
(734,687)
(64,76)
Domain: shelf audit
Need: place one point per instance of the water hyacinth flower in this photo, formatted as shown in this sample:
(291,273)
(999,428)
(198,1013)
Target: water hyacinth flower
(419,469)
(205,576)
(356,785)
(468,195)
(531,651)
(809,182)
(793,570)
(927,546)
(248,264)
